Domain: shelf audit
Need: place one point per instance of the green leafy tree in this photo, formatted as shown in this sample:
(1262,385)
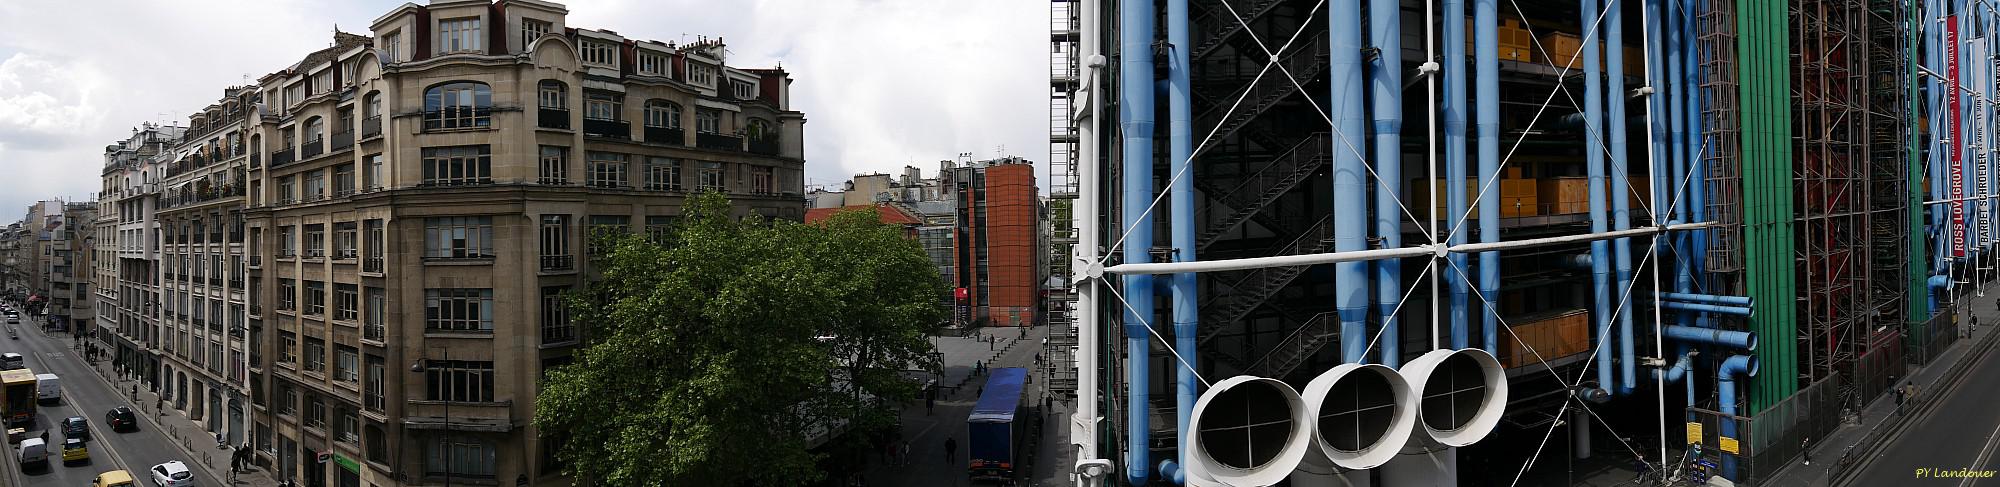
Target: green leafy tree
(714,354)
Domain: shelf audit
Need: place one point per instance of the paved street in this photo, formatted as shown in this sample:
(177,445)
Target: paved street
(88,395)
(1962,432)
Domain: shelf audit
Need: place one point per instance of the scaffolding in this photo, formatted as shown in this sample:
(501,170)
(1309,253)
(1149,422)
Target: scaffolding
(1722,137)
(1831,103)
(1059,296)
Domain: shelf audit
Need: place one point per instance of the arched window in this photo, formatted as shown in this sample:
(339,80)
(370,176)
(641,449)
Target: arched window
(315,127)
(371,107)
(458,105)
(554,95)
(662,113)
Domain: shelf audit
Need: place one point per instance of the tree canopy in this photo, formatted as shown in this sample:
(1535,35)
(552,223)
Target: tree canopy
(715,352)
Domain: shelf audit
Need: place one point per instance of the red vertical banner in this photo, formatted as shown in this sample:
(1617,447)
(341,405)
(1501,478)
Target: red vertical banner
(1957,145)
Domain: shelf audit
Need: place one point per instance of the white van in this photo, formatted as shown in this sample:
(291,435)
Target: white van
(48,387)
(33,452)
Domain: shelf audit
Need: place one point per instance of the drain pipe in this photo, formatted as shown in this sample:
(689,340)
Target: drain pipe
(1600,262)
(1620,193)
(1735,365)
(1385,76)
(1454,162)
(1350,192)
(1186,311)
(1486,76)
(1135,106)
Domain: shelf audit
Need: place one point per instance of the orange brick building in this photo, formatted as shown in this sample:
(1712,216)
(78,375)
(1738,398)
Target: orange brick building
(996,243)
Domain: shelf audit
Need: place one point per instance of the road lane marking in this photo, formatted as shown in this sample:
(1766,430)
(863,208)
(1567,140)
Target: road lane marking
(67,403)
(1979,462)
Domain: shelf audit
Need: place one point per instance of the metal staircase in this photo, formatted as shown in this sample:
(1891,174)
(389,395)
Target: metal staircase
(1317,332)
(1224,26)
(1304,62)
(1238,299)
(1268,184)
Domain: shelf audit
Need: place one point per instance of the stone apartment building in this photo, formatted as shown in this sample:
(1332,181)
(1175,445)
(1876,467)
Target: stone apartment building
(355,263)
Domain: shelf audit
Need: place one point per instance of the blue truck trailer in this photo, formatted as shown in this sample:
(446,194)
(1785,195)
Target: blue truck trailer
(995,436)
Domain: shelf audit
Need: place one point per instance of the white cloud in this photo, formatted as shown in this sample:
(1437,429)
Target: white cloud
(882,83)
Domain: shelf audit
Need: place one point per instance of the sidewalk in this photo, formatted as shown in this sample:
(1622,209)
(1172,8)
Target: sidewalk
(1881,412)
(189,437)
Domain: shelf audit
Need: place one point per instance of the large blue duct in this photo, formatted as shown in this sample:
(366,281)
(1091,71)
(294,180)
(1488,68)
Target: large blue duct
(1744,301)
(1677,131)
(1350,192)
(1705,308)
(1486,76)
(1742,340)
(1385,80)
(1620,193)
(1600,261)
(1135,126)
(1181,228)
(1735,365)
(1453,106)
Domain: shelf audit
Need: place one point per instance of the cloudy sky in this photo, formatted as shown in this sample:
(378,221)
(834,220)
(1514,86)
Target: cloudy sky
(883,83)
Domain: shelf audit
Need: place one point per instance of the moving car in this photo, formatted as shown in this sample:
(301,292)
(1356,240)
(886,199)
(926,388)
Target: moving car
(12,361)
(121,419)
(76,427)
(75,451)
(114,478)
(173,474)
(33,452)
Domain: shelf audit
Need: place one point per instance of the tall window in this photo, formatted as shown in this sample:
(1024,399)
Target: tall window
(288,294)
(554,165)
(346,240)
(377,372)
(532,29)
(315,298)
(458,105)
(392,47)
(556,326)
(603,227)
(346,302)
(711,176)
(377,245)
(315,129)
(458,35)
(465,164)
(607,169)
(651,64)
(458,380)
(662,113)
(599,53)
(458,455)
(459,237)
(708,120)
(553,95)
(288,346)
(603,106)
(322,82)
(762,180)
(315,240)
(316,408)
(663,174)
(555,242)
(458,310)
(315,185)
(315,355)
(346,364)
(377,301)
(343,180)
(371,174)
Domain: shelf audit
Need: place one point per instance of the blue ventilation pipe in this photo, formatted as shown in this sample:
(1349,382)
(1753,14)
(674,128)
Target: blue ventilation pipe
(1744,301)
(1704,308)
(1741,340)
(1135,117)
(1656,106)
(1681,370)
(1453,106)
(1600,261)
(1385,77)
(1350,194)
(1180,215)
(1620,193)
(1697,210)
(1486,79)
(1677,132)
(1735,365)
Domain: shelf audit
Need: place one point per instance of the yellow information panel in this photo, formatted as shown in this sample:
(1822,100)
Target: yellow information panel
(1727,444)
(1694,433)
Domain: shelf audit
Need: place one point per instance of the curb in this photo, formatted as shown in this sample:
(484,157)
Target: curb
(167,432)
(1951,379)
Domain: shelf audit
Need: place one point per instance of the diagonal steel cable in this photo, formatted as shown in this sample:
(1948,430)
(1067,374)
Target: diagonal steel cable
(1156,336)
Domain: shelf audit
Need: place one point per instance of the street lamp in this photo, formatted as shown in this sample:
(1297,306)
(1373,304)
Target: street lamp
(424,365)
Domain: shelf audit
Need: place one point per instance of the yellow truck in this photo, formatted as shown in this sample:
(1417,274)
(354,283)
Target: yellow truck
(17,396)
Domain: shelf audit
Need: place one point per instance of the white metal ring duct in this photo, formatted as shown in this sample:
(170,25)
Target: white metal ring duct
(1247,431)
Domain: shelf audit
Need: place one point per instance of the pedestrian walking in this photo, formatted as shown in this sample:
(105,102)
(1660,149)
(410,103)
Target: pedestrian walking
(1901,394)
(950,450)
(930,402)
(1805,448)
(902,452)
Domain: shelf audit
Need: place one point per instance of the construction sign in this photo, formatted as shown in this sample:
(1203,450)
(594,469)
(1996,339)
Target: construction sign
(1694,433)
(1727,444)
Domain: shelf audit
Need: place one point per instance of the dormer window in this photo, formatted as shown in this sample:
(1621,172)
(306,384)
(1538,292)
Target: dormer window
(743,89)
(458,35)
(532,29)
(598,53)
(347,73)
(322,82)
(701,75)
(651,64)
(295,94)
(392,47)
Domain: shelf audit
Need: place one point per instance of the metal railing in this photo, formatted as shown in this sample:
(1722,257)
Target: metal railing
(552,118)
(371,126)
(281,157)
(718,141)
(666,135)
(312,148)
(607,128)
(766,146)
(342,140)
(558,262)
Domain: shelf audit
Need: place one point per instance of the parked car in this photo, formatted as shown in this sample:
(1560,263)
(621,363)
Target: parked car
(76,427)
(12,361)
(75,452)
(121,419)
(114,478)
(173,474)
(33,453)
